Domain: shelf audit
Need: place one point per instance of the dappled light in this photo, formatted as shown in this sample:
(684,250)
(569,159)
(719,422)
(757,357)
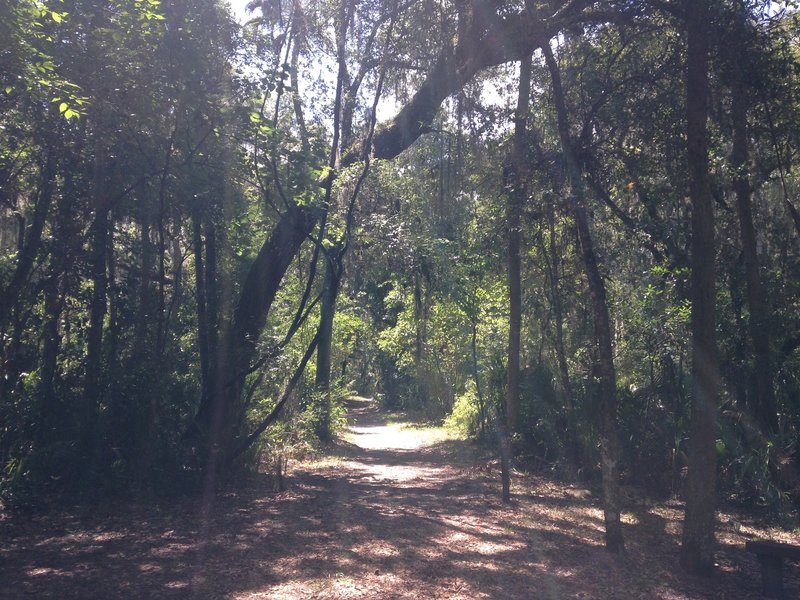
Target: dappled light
(409,519)
(399,299)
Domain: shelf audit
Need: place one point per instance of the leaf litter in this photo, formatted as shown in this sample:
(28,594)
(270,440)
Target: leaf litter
(396,511)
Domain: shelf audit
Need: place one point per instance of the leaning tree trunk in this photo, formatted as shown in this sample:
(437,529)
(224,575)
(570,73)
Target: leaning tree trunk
(255,300)
(610,447)
(697,548)
(455,66)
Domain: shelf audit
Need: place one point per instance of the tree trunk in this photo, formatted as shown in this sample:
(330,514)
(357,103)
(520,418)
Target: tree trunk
(498,42)
(142,344)
(51,346)
(111,345)
(697,549)
(566,423)
(610,447)
(325,342)
(516,190)
(97,309)
(258,292)
(764,407)
(476,375)
(31,241)
(200,302)
(420,339)
(212,295)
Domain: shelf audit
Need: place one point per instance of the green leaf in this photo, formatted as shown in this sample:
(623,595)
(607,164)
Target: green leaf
(56,16)
(62,107)
(722,448)
(9,89)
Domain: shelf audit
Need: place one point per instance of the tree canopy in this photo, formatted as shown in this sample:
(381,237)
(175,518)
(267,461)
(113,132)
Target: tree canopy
(569,228)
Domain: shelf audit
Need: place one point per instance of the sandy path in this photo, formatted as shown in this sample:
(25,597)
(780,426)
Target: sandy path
(401,515)
(397,512)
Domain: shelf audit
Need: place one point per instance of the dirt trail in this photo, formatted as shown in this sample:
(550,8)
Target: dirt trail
(403,513)
(398,512)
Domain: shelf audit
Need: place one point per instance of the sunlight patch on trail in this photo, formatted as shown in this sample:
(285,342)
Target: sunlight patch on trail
(396,473)
(395,436)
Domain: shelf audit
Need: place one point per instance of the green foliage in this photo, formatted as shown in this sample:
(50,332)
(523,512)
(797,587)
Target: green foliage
(465,416)
(149,149)
(41,473)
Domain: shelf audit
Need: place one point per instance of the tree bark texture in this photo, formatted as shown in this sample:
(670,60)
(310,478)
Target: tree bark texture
(697,548)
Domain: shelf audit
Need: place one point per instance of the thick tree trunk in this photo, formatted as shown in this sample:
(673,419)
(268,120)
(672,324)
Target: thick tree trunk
(487,42)
(697,549)
(516,190)
(610,447)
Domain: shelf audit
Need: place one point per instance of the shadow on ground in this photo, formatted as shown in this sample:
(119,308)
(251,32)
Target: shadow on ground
(396,514)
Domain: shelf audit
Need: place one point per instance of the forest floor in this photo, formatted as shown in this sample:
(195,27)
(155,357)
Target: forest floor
(397,511)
